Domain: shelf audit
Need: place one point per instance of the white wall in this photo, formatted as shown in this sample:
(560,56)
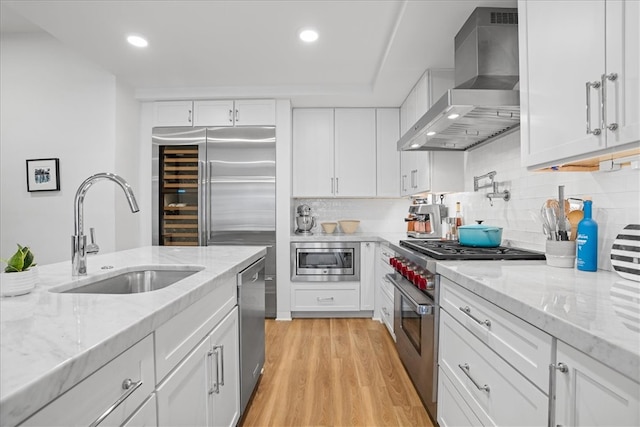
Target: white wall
(56,104)
(128,156)
(615,195)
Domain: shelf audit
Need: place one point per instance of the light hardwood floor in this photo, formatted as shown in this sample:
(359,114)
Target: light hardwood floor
(333,372)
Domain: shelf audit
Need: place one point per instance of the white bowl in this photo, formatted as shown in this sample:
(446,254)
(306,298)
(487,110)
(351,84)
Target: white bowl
(349,226)
(329,227)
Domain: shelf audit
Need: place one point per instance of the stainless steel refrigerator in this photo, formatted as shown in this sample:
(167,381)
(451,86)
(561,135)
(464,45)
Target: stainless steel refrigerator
(216,186)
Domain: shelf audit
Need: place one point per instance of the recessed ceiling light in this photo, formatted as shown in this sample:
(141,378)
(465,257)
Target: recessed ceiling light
(308,35)
(137,41)
(453,116)
(431,133)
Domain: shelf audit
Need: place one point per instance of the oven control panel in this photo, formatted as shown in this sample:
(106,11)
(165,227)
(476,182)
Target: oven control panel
(415,274)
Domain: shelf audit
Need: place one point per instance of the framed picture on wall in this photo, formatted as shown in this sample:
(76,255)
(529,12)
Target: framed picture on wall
(43,175)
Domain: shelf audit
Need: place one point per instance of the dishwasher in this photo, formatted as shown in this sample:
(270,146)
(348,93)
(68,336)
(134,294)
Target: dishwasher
(251,307)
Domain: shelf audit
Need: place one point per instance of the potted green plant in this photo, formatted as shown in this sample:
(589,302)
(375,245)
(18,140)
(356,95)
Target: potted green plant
(19,276)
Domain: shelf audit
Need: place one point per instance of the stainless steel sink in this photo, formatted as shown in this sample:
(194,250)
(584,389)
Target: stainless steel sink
(131,282)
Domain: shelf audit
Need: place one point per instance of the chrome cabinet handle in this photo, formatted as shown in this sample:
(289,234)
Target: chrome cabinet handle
(211,388)
(231,116)
(552,390)
(221,347)
(337,187)
(215,387)
(612,77)
(325,299)
(466,310)
(202,205)
(588,86)
(190,114)
(465,368)
(332,188)
(128,385)
(404,182)
(237,116)
(385,311)
(413,180)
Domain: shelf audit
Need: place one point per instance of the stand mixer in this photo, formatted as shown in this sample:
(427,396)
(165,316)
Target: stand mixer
(304,221)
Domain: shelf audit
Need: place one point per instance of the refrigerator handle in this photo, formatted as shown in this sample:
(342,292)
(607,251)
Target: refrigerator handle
(202,207)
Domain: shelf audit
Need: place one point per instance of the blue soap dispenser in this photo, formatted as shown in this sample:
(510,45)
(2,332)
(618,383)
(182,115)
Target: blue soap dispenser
(587,241)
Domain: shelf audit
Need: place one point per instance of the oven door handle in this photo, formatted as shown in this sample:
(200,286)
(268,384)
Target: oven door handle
(420,308)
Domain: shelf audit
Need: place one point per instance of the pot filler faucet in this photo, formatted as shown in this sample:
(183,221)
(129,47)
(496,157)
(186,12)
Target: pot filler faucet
(79,240)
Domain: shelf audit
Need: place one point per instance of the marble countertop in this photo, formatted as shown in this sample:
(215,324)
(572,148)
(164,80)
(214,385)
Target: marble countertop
(597,313)
(51,341)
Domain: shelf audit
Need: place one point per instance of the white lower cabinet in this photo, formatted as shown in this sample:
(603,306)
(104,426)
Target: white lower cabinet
(522,345)
(453,411)
(324,296)
(589,393)
(384,288)
(496,392)
(130,377)
(367,276)
(145,416)
(204,389)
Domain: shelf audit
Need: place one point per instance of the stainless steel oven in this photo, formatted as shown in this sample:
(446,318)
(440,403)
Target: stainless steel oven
(416,327)
(325,261)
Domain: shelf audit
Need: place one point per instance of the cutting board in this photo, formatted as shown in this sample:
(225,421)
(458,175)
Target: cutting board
(625,253)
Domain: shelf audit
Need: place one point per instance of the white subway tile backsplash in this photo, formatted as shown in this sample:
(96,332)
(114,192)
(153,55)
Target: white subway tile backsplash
(615,195)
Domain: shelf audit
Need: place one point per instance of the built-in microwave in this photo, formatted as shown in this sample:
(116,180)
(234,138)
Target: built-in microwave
(325,261)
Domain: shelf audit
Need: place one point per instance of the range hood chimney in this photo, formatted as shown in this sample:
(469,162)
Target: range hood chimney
(485,102)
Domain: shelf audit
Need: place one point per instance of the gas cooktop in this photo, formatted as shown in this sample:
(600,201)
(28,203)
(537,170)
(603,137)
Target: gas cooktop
(449,250)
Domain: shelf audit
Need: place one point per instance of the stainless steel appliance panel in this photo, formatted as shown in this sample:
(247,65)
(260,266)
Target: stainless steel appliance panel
(241,176)
(251,306)
(236,189)
(325,261)
(256,238)
(416,319)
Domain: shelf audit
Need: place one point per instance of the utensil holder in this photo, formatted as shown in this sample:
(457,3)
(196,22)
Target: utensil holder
(561,253)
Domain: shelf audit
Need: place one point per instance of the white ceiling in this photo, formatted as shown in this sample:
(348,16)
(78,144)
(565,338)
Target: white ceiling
(370,52)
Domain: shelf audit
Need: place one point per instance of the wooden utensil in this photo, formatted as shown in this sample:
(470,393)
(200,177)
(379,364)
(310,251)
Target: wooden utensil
(574,218)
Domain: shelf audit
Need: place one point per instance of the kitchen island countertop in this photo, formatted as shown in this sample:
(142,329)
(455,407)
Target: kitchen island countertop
(51,341)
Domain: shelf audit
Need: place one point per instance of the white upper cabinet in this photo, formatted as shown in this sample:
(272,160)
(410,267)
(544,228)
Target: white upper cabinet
(173,113)
(313,152)
(213,113)
(426,171)
(579,88)
(355,152)
(250,112)
(246,112)
(334,152)
(388,156)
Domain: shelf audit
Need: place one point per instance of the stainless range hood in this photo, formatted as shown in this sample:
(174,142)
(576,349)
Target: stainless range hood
(485,102)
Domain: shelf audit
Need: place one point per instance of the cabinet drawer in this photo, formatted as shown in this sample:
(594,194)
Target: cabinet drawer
(386,286)
(101,389)
(328,298)
(524,346)
(180,334)
(453,411)
(386,313)
(495,391)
